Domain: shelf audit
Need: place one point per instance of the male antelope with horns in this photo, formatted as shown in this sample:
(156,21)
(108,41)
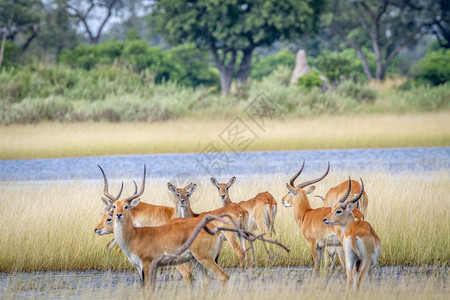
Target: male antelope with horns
(317,235)
(142,245)
(361,243)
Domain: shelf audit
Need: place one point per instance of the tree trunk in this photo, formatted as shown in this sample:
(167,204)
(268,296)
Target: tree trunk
(5,34)
(245,67)
(226,77)
(226,70)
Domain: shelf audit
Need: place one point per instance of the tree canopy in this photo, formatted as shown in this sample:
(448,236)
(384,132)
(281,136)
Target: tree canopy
(232,29)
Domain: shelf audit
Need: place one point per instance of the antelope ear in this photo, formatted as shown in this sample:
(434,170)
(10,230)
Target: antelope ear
(231,181)
(310,189)
(291,189)
(106,201)
(214,182)
(134,202)
(173,189)
(192,187)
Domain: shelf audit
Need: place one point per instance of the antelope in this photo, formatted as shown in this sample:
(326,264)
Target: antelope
(262,208)
(362,245)
(143,214)
(142,245)
(317,235)
(239,215)
(339,190)
(332,196)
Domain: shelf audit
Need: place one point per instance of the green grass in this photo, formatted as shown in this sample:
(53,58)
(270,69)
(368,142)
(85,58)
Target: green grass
(326,132)
(49,226)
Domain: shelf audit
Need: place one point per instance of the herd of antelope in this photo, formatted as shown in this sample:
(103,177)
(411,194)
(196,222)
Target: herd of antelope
(146,232)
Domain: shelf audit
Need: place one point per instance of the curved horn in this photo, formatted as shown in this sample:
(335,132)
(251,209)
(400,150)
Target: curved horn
(360,193)
(141,191)
(120,192)
(291,182)
(318,196)
(105,190)
(135,187)
(306,183)
(348,191)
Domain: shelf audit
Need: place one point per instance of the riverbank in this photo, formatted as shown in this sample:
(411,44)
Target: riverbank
(261,283)
(48,140)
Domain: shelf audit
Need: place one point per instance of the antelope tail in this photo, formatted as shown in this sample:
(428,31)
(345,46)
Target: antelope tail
(355,249)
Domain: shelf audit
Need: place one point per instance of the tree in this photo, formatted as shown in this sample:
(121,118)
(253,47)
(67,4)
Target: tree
(388,26)
(85,11)
(18,17)
(232,29)
(438,20)
(56,32)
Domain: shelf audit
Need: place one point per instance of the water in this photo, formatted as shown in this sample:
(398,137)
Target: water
(225,164)
(270,283)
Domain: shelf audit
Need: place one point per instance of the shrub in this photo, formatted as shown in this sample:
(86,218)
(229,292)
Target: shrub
(11,55)
(310,80)
(434,68)
(263,67)
(335,66)
(32,110)
(191,67)
(358,91)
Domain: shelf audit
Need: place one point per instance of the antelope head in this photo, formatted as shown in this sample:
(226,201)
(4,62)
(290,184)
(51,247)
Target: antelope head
(342,211)
(298,191)
(223,189)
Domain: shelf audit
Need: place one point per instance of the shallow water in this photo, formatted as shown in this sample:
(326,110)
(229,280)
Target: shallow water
(217,164)
(401,281)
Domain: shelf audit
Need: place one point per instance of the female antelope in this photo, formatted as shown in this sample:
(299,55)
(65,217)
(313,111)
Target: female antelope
(262,208)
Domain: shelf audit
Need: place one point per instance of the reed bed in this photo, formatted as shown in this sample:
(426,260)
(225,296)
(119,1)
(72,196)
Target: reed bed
(325,132)
(49,225)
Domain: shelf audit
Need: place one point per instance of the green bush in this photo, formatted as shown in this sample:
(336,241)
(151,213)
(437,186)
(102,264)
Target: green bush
(335,66)
(310,80)
(33,110)
(191,67)
(265,66)
(358,91)
(11,55)
(434,68)
(422,98)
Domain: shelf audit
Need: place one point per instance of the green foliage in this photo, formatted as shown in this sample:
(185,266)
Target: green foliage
(32,110)
(184,64)
(310,80)
(263,67)
(335,66)
(11,56)
(191,67)
(115,93)
(132,35)
(423,98)
(358,91)
(434,68)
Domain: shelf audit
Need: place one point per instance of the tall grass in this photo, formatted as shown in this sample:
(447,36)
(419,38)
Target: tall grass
(358,131)
(49,226)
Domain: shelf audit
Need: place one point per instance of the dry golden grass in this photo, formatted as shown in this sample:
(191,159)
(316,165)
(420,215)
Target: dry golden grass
(325,132)
(49,226)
